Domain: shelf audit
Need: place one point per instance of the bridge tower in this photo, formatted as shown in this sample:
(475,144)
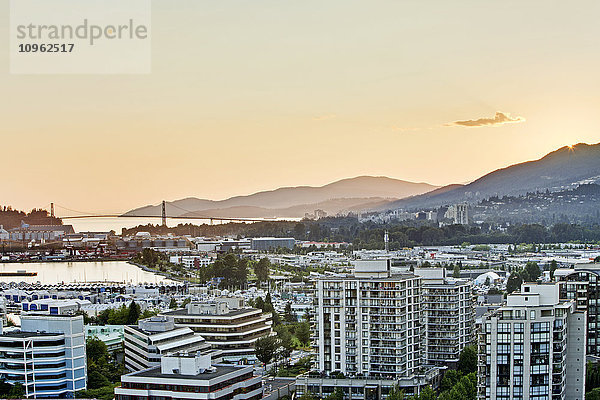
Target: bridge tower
(52,210)
(164,213)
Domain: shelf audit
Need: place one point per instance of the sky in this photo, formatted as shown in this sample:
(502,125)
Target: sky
(247,96)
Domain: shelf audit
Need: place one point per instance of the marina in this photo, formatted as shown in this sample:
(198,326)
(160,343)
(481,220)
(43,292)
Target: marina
(53,273)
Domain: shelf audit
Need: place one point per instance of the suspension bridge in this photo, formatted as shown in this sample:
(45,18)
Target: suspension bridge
(163,217)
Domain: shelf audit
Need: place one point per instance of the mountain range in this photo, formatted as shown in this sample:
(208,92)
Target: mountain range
(562,169)
(352,194)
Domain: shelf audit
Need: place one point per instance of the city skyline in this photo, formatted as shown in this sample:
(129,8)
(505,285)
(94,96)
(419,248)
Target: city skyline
(244,98)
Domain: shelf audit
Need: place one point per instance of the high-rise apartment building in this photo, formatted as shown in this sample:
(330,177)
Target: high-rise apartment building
(582,284)
(449,314)
(368,332)
(458,213)
(533,348)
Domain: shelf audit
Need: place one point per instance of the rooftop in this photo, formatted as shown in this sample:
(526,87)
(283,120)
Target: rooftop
(25,335)
(184,311)
(156,373)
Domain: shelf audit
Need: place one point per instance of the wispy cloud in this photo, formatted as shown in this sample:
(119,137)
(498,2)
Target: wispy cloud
(499,119)
(324,117)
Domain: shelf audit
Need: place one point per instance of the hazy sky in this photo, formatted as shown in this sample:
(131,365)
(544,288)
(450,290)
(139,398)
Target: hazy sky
(253,95)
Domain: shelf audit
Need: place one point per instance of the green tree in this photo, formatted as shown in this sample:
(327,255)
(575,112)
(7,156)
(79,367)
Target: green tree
(103,393)
(96,380)
(303,333)
(593,394)
(426,394)
(467,361)
(531,272)
(286,344)
(96,350)
(133,313)
(288,315)
(451,377)
(456,272)
(299,231)
(173,303)
(17,391)
(265,348)
(338,394)
(514,282)
(395,393)
(553,267)
(261,269)
(259,303)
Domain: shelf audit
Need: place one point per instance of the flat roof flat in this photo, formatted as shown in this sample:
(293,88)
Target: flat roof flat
(184,311)
(156,373)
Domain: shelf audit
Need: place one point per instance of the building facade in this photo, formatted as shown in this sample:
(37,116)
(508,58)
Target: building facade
(151,338)
(272,243)
(582,284)
(48,356)
(368,333)
(226,325)
(458,213)
(449,313)
(533,348)
(111,335)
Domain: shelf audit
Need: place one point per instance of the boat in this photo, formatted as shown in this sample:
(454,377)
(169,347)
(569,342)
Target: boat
(17,273)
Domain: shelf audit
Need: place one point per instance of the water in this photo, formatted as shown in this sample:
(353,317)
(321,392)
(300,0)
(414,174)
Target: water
(118,223)
(68,272)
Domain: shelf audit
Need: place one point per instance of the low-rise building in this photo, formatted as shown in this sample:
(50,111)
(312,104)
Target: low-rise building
(226,325)
(152,338)
(272,243)
(40,232)
(182,376)
(111,335)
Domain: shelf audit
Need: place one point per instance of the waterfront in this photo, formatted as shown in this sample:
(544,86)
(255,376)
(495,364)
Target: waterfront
(116,224)
(68,272)
(99,224)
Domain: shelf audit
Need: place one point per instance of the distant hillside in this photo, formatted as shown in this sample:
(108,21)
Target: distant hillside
(573,206)
(331,207)
(10,218)
(562,169)
(368,190)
